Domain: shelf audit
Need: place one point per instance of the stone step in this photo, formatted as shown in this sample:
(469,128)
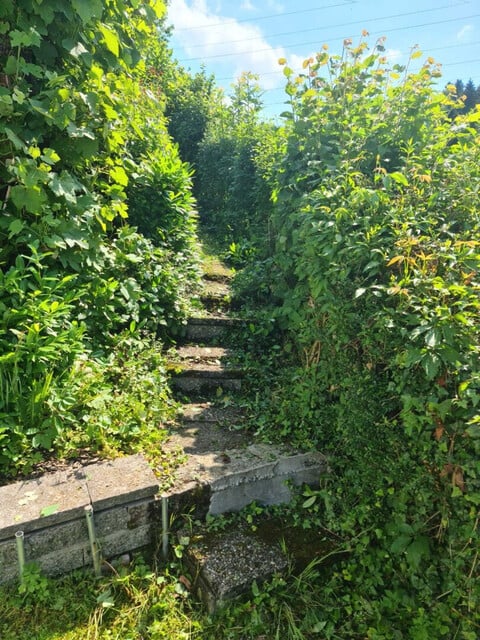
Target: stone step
(210,329)
(226,564)
(215,295)
(199,380)
(200,412)
(201,370)
(195,353)
(214,480)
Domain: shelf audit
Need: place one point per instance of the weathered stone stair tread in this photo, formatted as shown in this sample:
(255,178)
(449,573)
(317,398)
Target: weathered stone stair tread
(204,437)
(203,354)
(236,477)
(210,327)
(204,362)
(215,289)
(208,412)
(206,370)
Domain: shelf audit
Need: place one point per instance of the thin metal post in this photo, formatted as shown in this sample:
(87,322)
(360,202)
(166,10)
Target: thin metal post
(94,546)
(164,526)
(20,538)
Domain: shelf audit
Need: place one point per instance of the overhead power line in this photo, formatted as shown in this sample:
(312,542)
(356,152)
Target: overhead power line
(274,15)
(325,28)
(315,42)
(346,3)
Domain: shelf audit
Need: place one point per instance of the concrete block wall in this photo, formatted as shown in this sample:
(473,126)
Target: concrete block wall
(50,511)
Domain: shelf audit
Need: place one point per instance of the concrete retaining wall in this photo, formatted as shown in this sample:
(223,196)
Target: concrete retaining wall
(51,512)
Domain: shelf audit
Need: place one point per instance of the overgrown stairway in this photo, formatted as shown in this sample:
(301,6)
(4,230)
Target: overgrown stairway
(221,468)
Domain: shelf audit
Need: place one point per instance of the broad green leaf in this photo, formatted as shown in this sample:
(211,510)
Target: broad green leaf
(400,544)
(30,198)
(65,186)
(6,106)
(418,550)
(431,338)
(119,175)
(15,227)
(431,364)
(399,178)
(88,9)
(25,38)
(111,39)
(14,139)
(50,156)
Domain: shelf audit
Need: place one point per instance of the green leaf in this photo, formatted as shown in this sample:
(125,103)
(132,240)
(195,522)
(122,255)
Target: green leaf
(15,227)
(25,38)
(65,186)
(88,10)
(309,502)
(431,338)
(119,175)
(111,40)
(50,510)
(399,178)
(400,544)
(419,549)
(431,364)
(29,198)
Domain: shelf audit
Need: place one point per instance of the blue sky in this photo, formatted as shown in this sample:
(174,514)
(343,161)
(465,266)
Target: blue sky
(231,36)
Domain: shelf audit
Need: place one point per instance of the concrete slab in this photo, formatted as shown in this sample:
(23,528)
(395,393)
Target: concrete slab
(202,354)
(34,504)
(120,481)
(237,477)
(50,510)
(208,412)
(226,564)
(200,437)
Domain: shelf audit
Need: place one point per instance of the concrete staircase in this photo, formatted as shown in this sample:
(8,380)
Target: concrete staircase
(223,467)
(66,519)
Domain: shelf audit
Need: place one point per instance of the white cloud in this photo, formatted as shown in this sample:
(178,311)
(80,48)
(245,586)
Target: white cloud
(393,55)
(247,6)
(466,33)
(273,5)
(238,46)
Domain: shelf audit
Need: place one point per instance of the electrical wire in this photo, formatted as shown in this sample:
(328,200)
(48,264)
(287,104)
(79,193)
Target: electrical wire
(315,42)
(325,28)
(346,3)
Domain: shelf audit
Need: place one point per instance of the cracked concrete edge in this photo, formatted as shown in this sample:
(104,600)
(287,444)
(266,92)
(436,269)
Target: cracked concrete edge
(62,496)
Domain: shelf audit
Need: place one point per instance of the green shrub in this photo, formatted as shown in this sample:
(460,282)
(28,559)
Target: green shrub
(375,271)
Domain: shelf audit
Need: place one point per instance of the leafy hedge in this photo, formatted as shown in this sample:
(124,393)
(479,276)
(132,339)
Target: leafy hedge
(83,140)
(375,273)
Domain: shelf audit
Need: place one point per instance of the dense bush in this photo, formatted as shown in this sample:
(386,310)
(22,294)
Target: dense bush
(82,136)
(231,183)
(375,274)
